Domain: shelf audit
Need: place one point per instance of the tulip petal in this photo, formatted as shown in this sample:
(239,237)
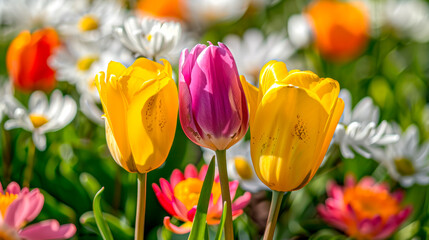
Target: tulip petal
(273,71)
(251,93)
(149,121)
(286,145)
(115,105)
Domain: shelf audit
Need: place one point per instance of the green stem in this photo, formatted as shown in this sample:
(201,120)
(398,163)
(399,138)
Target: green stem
(141,206)
(28,173)
(224,186)
(273,215)
(6,155)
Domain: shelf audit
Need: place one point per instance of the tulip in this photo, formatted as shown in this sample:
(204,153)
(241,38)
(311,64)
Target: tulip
(140,105)
(293,116)
(212,107)
(341,28)
(27,60)
(213,111)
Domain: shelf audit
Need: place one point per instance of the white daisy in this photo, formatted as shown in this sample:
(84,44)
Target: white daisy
(299,31)
(253,51)
(78,63)
(359,130)
(30,14)
(406,160)
(149,37)
(205,12)
(42,116)
(94,20)
(6,93)
(409,18)
(240,166)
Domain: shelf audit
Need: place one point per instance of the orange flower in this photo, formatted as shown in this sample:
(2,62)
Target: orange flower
(161,8)
(27,60)
(340,28)
(364,210)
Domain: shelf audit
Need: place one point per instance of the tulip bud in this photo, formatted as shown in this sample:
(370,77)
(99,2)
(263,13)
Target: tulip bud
(212,107)
(27,60)
(140,105)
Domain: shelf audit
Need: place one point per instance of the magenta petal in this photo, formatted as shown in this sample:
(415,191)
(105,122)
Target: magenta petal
(180,209)
(165,202)
(191,171)
(213,110)
(241,202)
(350,181)
(36,204)
(49,229)
(191,213)
(214,91)
(13,188)
(233,185)
(185,228)
(176,177)
(203,172)
(166,188)
(17,212)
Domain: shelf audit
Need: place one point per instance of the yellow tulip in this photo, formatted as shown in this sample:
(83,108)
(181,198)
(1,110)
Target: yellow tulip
(293,116)
(141,106)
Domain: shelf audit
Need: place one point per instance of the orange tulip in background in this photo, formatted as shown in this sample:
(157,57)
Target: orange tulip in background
(161,8)
(341,29)
(27,60)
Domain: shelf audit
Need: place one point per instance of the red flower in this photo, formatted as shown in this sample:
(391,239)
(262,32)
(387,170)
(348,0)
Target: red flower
(27,60)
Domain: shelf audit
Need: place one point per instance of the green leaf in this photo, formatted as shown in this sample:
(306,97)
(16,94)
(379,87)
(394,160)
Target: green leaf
(199,226)
(222,222)
(89,183)
(99,219)
(119,227)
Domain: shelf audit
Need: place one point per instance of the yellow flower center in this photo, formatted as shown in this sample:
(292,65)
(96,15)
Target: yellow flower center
(38,120)
(404,167)
(368,203)
(88,23)
(149,37)
(85,63)
(188,192)
(5,200)
(243,168)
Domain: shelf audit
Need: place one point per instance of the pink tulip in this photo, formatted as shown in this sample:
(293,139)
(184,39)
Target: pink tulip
(20,206)
(212,105)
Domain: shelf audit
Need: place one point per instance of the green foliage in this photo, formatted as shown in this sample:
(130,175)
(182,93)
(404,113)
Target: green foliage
(199,225)
(99,218)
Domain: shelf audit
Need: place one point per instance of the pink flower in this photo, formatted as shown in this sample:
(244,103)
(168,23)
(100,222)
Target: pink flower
(20,206)
(366,210)
(179,197)
(212,105)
